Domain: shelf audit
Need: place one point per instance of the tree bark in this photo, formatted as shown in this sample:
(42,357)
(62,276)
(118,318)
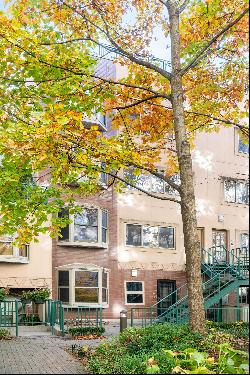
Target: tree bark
(191,243)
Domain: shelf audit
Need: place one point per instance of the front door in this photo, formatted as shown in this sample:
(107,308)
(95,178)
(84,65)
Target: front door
(165,288)
(220,244)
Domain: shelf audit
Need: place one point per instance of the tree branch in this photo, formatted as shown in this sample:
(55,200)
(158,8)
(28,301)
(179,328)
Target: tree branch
(139,102)
(119,49)
(212,41)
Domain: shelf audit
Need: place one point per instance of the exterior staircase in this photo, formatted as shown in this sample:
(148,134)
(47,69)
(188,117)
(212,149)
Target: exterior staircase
(223,271)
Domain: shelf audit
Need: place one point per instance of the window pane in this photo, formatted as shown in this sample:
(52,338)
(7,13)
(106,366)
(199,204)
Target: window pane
(243,147)
(157,185)
(87,217)
(63,294)
(244,240)
(63,278)
(104,295)
(133,235)
(104,235)
(168,189)
(133,286)
(23,251)
(242,192)
(64,213)
(150,236)
(230,191)
(86,278)
(6,248)
(105,219)
(86,295)
(104,279)
(134,298)
(166,237)
(82,234)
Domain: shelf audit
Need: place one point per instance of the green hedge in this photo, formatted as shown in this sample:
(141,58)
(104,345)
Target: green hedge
(80,331)
(132,351)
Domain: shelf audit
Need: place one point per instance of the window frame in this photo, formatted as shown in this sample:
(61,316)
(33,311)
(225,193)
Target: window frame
(126,292)
(237,145)
(97,244)
(15,257)
(72,285)
(150,225)
(235,181)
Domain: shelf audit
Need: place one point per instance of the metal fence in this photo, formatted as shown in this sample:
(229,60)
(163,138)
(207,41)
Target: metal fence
(14,314)
(143,317)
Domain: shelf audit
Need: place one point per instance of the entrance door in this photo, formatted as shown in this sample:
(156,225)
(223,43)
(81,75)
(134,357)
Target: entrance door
(165,288)
(220,242)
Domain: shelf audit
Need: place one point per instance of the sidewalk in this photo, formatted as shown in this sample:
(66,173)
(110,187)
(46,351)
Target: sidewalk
(45,354)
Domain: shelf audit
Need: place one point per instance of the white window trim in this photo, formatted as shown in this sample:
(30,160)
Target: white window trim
(15,257)
(98,243)
(150,225)
(71,287)
(135,292)
(237,141)
(236,180)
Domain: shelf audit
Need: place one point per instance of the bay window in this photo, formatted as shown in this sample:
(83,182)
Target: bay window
(87,228)
(150,236)
(83,285)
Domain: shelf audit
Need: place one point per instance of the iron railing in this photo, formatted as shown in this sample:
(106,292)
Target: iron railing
(82,316)
(220,269)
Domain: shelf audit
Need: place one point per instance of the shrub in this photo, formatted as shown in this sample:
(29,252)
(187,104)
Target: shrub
(31,319)
(3,293)
(40,295)
(144,350)
(81,331)
(4,334)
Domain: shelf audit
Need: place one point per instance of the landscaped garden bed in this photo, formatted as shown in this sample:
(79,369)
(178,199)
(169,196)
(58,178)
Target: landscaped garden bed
(169,348)
(86,333)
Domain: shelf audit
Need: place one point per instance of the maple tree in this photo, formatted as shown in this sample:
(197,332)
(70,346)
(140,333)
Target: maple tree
(50,76)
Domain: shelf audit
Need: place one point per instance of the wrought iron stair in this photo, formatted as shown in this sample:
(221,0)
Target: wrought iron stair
(222,272)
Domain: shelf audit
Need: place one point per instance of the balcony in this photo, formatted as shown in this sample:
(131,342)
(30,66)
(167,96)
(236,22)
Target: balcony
(12,254)
(97,119)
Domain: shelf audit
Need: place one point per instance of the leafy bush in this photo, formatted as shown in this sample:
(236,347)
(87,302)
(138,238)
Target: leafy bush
(4,334)
(40,294)
(236,329)
(81,331)
(147,350)
(31,319)
(3,293)
(26,295)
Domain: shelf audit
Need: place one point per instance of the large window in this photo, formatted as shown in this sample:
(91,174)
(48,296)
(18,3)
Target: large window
(8,252)
(83,285)
(150,236)
(151,183)
(134,292)
(236,191)
(88,227)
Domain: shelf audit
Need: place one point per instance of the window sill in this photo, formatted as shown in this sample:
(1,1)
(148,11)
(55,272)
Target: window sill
(13,259)
(234,204)
(83,245)
(87,305)
(140,248)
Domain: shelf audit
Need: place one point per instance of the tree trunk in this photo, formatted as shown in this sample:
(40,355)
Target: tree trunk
(191,243)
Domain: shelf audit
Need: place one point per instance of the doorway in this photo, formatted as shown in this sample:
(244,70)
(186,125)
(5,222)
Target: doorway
(165,288)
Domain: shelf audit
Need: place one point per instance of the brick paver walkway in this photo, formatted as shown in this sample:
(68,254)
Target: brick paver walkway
(44,354)
(37,355)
